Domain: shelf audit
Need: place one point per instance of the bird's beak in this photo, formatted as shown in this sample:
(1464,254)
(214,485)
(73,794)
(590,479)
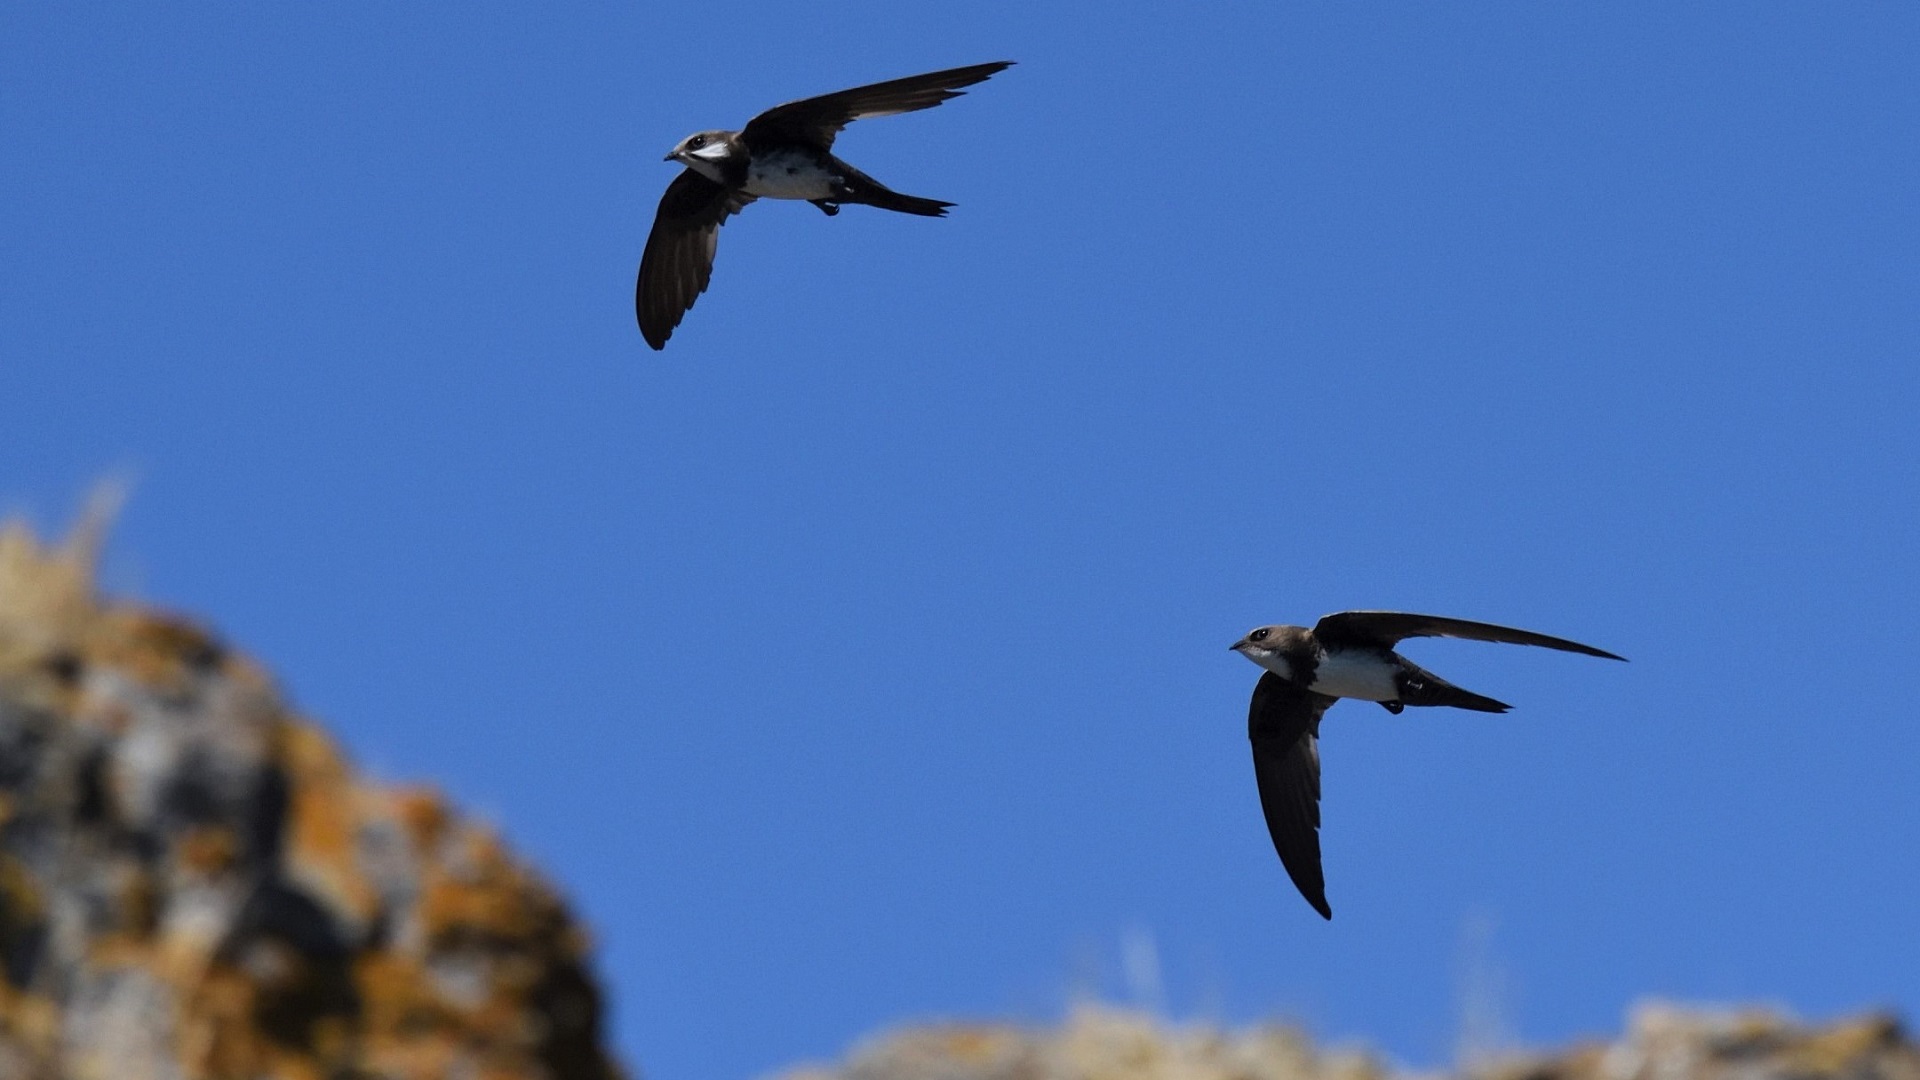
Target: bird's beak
(1237,646)
(671,154)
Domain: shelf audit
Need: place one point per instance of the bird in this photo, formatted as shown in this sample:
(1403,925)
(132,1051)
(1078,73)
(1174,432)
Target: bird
(784,153)
(1348,654)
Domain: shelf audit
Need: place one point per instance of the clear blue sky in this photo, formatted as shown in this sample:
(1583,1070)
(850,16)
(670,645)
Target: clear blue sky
(862,657)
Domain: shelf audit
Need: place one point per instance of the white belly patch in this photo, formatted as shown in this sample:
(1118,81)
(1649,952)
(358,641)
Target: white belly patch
(788,176)
(1355,675)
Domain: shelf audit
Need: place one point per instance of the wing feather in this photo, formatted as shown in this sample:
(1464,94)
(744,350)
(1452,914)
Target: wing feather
(816,120)
(1384,628)
(678,261)
(1283,723)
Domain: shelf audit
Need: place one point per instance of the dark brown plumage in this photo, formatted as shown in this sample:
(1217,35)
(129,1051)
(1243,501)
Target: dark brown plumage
(678,262)
(1385,629)
(1346,654)
(815,121)
(1284,724)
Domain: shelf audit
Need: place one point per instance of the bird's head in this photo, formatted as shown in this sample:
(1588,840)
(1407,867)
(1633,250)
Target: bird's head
(705,152)
(1265,645)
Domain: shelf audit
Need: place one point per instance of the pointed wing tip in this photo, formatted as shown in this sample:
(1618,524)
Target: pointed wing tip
(656,339)
(974,74)
(1588,650)
(1313,892)
(1316,898)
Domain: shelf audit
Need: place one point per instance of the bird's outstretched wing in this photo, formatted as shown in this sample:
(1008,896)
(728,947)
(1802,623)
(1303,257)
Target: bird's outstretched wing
(816,120)
(1284,724)
(1383,629)
(679,258)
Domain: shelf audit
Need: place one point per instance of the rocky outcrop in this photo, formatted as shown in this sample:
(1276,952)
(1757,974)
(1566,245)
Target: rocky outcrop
(1662,1043)
(195,884)
(1667,1042)
(1096,1043)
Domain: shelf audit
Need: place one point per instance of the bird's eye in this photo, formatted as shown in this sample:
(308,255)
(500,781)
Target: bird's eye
(1258,635)
(696,142)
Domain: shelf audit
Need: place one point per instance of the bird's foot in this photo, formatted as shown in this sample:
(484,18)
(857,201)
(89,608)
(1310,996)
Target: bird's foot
(827,206)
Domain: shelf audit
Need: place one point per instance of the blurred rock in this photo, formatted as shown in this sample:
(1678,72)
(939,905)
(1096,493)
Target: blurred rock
(1663,1042)
(1668,1042)
(1096,1043)
(195,884)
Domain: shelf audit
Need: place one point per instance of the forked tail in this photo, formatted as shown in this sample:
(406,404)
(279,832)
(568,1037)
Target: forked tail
(887,199)
(861,188)
(1420,687)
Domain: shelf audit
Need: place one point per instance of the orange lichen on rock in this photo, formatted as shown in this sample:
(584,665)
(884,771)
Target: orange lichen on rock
(194,882)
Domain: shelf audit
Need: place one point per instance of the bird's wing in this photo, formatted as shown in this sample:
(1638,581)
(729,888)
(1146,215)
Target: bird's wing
(1284,724)
(679,258)
(1384,628)
(816,120)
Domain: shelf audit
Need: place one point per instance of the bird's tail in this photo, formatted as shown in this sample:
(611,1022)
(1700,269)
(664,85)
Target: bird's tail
(908,204)
(862,188)
(1421,687)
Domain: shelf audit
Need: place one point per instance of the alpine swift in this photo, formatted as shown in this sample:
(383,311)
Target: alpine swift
(1346,655)
(784,153)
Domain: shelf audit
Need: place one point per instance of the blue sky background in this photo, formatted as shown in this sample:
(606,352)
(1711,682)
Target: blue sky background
(862,658)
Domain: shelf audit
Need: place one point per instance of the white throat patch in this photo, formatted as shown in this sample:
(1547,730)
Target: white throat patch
(714,151)
(1272,661)
(707,169)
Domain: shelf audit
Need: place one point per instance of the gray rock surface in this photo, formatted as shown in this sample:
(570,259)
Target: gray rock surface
(194,883)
